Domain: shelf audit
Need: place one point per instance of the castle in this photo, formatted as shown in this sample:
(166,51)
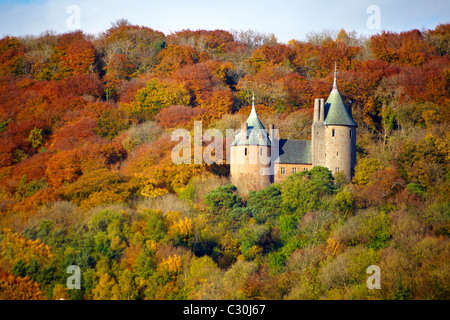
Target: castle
(259,158)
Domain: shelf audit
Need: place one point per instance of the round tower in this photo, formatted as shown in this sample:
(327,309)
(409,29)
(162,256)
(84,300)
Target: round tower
(250,156)
(340,135)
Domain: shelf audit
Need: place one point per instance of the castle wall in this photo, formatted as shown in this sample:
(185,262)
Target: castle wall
(245,169)
(341,150)
(288,170)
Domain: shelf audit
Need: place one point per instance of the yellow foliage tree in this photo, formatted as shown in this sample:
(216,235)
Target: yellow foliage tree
(173,264)
(15,247)
(182,229)
(157,95)
(105,289)
(150,189)
(60,292)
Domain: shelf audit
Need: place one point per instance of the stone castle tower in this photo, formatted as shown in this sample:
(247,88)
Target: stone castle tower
(250,155)
(258,159)
(333,135)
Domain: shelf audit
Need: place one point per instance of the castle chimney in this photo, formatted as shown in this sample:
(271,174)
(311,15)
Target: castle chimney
(244,129)
(316,110)
(321,111)
(271,133)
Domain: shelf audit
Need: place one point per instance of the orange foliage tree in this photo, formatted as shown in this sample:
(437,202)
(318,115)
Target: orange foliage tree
(18,288)
(11,55)
(73,55)
(407,48)
(175,57)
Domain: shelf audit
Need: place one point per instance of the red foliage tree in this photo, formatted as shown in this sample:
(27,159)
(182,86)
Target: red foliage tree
(11,54)
(64,166)
(177,116)
(407,48)
(75,134)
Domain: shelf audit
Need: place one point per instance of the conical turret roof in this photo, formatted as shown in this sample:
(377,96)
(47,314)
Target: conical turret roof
(338,113)
(256,133)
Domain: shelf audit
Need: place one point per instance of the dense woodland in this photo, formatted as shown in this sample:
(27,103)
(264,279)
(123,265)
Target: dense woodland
(86,176)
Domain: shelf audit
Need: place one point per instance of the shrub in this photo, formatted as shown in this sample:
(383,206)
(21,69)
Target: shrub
(348,268)
(303,191)
(139,134)
(369,227)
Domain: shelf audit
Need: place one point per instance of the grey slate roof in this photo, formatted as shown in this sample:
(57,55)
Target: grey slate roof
(294,151)
(256,133)
(337,113)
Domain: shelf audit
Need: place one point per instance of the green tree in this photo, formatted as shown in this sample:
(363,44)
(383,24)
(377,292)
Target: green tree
(265,204)
(303,191)
(223,199)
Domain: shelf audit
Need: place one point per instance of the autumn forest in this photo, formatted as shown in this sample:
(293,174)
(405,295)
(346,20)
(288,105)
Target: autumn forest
(86,176)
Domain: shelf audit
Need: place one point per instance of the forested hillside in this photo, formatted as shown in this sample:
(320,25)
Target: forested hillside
(87,179)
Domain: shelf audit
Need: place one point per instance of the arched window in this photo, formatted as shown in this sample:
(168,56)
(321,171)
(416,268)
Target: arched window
(332,132)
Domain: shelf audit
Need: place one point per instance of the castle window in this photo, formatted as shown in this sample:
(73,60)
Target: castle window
(262,171)
(350,133)
(245,151)
(260,151)
(332,132)
(283,170)
(337,153)
(294,170)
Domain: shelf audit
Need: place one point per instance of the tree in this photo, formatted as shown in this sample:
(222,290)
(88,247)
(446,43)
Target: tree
(365,168)
(174,58)
(440,37)
(158,94)
(72,55)
(178,116)
(253,39)
(279,54)
(18,288)
(302,192)
(202,40)
(342,37)
(409,48)
(223,199)
(203,279)
(423,162)
(11,56)
(265,204)
(64,166)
